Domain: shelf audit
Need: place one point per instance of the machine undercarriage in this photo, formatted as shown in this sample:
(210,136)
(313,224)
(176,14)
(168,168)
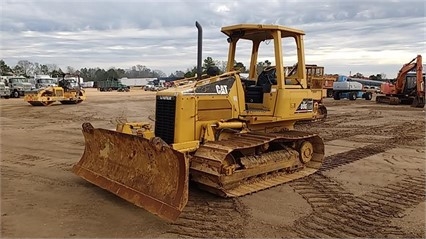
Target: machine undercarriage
(250,162)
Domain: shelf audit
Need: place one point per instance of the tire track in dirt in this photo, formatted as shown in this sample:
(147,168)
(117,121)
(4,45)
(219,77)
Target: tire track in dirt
(319,191)
(207,216)
(338,213)
(331,132)
(396,197)
(39,178)
(368,216)
(42,162)
(339,119)
(347,157)
(349,131)
(7,197)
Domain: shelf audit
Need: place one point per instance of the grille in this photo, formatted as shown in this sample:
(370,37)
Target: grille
(165,111)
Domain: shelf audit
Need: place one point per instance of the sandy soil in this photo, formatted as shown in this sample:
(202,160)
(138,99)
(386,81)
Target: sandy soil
(372,183)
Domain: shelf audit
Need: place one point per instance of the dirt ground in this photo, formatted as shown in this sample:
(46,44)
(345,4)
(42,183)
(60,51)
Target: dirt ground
(372,183)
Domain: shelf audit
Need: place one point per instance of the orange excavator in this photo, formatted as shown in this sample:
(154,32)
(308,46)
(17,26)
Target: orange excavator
(408,88)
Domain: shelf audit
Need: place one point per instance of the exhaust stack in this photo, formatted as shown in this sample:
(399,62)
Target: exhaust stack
(199,50)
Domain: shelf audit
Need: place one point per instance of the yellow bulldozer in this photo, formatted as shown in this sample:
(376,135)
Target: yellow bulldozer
(68,91)
(229,136)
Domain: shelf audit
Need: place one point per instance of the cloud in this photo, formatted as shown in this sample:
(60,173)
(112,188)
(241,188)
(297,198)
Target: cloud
(370,37)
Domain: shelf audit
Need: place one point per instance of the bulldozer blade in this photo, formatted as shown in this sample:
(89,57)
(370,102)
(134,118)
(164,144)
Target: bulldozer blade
(147,173)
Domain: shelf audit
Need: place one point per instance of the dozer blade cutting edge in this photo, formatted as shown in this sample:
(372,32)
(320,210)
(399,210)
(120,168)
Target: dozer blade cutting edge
(148,173)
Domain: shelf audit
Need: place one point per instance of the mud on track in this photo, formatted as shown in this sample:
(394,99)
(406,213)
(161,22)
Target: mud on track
(372,183)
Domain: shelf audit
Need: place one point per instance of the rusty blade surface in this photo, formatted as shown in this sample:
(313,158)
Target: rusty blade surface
(147,173)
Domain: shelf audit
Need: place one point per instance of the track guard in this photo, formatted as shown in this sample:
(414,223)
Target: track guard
(148,173)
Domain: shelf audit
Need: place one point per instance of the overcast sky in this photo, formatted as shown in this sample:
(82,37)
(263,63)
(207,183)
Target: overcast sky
(370,37)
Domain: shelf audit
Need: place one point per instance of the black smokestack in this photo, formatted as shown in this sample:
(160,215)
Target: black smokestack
(199,50)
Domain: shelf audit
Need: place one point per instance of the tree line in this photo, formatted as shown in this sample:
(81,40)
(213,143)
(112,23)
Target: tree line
(27,69)
(378,77)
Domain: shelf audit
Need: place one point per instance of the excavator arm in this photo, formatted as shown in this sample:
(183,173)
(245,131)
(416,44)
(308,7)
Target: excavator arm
(419,74)
(403,90)
(416,64)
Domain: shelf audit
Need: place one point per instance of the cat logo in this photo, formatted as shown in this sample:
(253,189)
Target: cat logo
(222,89)
(305,106)
(163,97)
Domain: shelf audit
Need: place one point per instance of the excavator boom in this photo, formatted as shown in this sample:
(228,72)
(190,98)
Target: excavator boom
(414,64)
(406,89)
(419,77)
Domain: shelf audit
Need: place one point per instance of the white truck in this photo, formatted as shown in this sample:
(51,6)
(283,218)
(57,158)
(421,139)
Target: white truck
(345,88)
(18,85)
(4,91)
(43,81)
(155,85)
(149,86)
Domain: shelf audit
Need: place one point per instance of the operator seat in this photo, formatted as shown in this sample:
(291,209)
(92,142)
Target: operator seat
(254,93)
(267,76)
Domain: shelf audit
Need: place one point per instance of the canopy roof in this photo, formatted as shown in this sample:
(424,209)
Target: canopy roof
(259,31)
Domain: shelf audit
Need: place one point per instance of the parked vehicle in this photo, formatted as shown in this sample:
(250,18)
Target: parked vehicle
(74,80)
(88,84)
(344,88)
(149,86)
(18,85)
(4,91)
(43,81)
(123,88)
(372,89)
(156,85)
(110,85)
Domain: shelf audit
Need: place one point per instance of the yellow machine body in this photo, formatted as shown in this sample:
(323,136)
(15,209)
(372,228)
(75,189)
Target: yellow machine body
(230,136)
(51,94)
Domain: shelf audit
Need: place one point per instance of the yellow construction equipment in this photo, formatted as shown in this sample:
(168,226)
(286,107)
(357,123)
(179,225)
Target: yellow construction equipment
(231,137)
(316,78)
(68,92)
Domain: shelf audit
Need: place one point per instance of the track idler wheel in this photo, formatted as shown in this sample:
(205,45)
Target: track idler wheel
(306,151)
